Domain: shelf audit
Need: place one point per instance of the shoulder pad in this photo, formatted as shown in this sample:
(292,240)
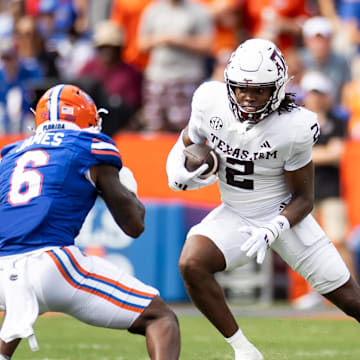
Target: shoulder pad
(102,147)
(7,148)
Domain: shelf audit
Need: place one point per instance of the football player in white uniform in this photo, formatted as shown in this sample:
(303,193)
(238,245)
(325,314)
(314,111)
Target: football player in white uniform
(264,141)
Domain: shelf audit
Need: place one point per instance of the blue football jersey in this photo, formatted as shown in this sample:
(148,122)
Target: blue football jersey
(45,193)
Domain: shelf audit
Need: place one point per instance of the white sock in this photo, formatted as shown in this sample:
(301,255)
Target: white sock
(4,357)
(236,340)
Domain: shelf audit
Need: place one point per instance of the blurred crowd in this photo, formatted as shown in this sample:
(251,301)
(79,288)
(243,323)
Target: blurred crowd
(143,59)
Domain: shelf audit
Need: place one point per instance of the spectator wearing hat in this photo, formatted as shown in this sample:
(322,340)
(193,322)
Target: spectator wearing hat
(327,154)
(111,81)
(318,54)
(329,207)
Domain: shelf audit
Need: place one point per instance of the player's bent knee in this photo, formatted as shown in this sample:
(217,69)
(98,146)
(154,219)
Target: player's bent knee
(190,269)
(157,310)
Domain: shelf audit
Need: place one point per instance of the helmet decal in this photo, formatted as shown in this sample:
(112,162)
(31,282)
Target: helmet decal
(279,61)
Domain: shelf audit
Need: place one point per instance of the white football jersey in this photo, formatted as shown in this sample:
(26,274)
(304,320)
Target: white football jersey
(251,173)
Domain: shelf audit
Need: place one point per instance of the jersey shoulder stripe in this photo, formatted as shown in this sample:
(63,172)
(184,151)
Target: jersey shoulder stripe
(104,148)
(101,147)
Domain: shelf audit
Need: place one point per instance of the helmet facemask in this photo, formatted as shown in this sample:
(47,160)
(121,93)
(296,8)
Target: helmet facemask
(252,113)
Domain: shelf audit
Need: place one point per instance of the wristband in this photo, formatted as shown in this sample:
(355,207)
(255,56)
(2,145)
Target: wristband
(277,226)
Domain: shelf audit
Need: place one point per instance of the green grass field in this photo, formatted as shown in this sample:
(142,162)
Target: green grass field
(63,338)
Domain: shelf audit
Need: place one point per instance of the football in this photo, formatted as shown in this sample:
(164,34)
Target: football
(199,154)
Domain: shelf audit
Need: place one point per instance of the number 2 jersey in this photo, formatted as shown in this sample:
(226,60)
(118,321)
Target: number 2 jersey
(251,172)
(45,190)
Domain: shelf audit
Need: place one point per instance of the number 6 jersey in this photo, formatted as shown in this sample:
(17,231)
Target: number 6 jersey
(45,192)
(253,160)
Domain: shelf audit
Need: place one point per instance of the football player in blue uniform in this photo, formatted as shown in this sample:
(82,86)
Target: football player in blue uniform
(48,184)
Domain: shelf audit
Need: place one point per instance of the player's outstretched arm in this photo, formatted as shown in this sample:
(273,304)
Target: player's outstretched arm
(125,207)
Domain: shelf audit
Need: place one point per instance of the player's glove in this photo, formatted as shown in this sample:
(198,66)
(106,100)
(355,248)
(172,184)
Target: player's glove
(261,238)
(179,177)
(189,180)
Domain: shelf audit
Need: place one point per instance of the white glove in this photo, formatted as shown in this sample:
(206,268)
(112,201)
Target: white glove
(127,178)
(261,238)
(189,180)
(179,177)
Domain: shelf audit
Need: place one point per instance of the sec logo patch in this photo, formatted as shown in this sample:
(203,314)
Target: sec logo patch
(216,123)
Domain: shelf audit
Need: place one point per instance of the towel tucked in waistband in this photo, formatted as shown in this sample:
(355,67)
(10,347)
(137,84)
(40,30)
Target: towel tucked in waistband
(22,308)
